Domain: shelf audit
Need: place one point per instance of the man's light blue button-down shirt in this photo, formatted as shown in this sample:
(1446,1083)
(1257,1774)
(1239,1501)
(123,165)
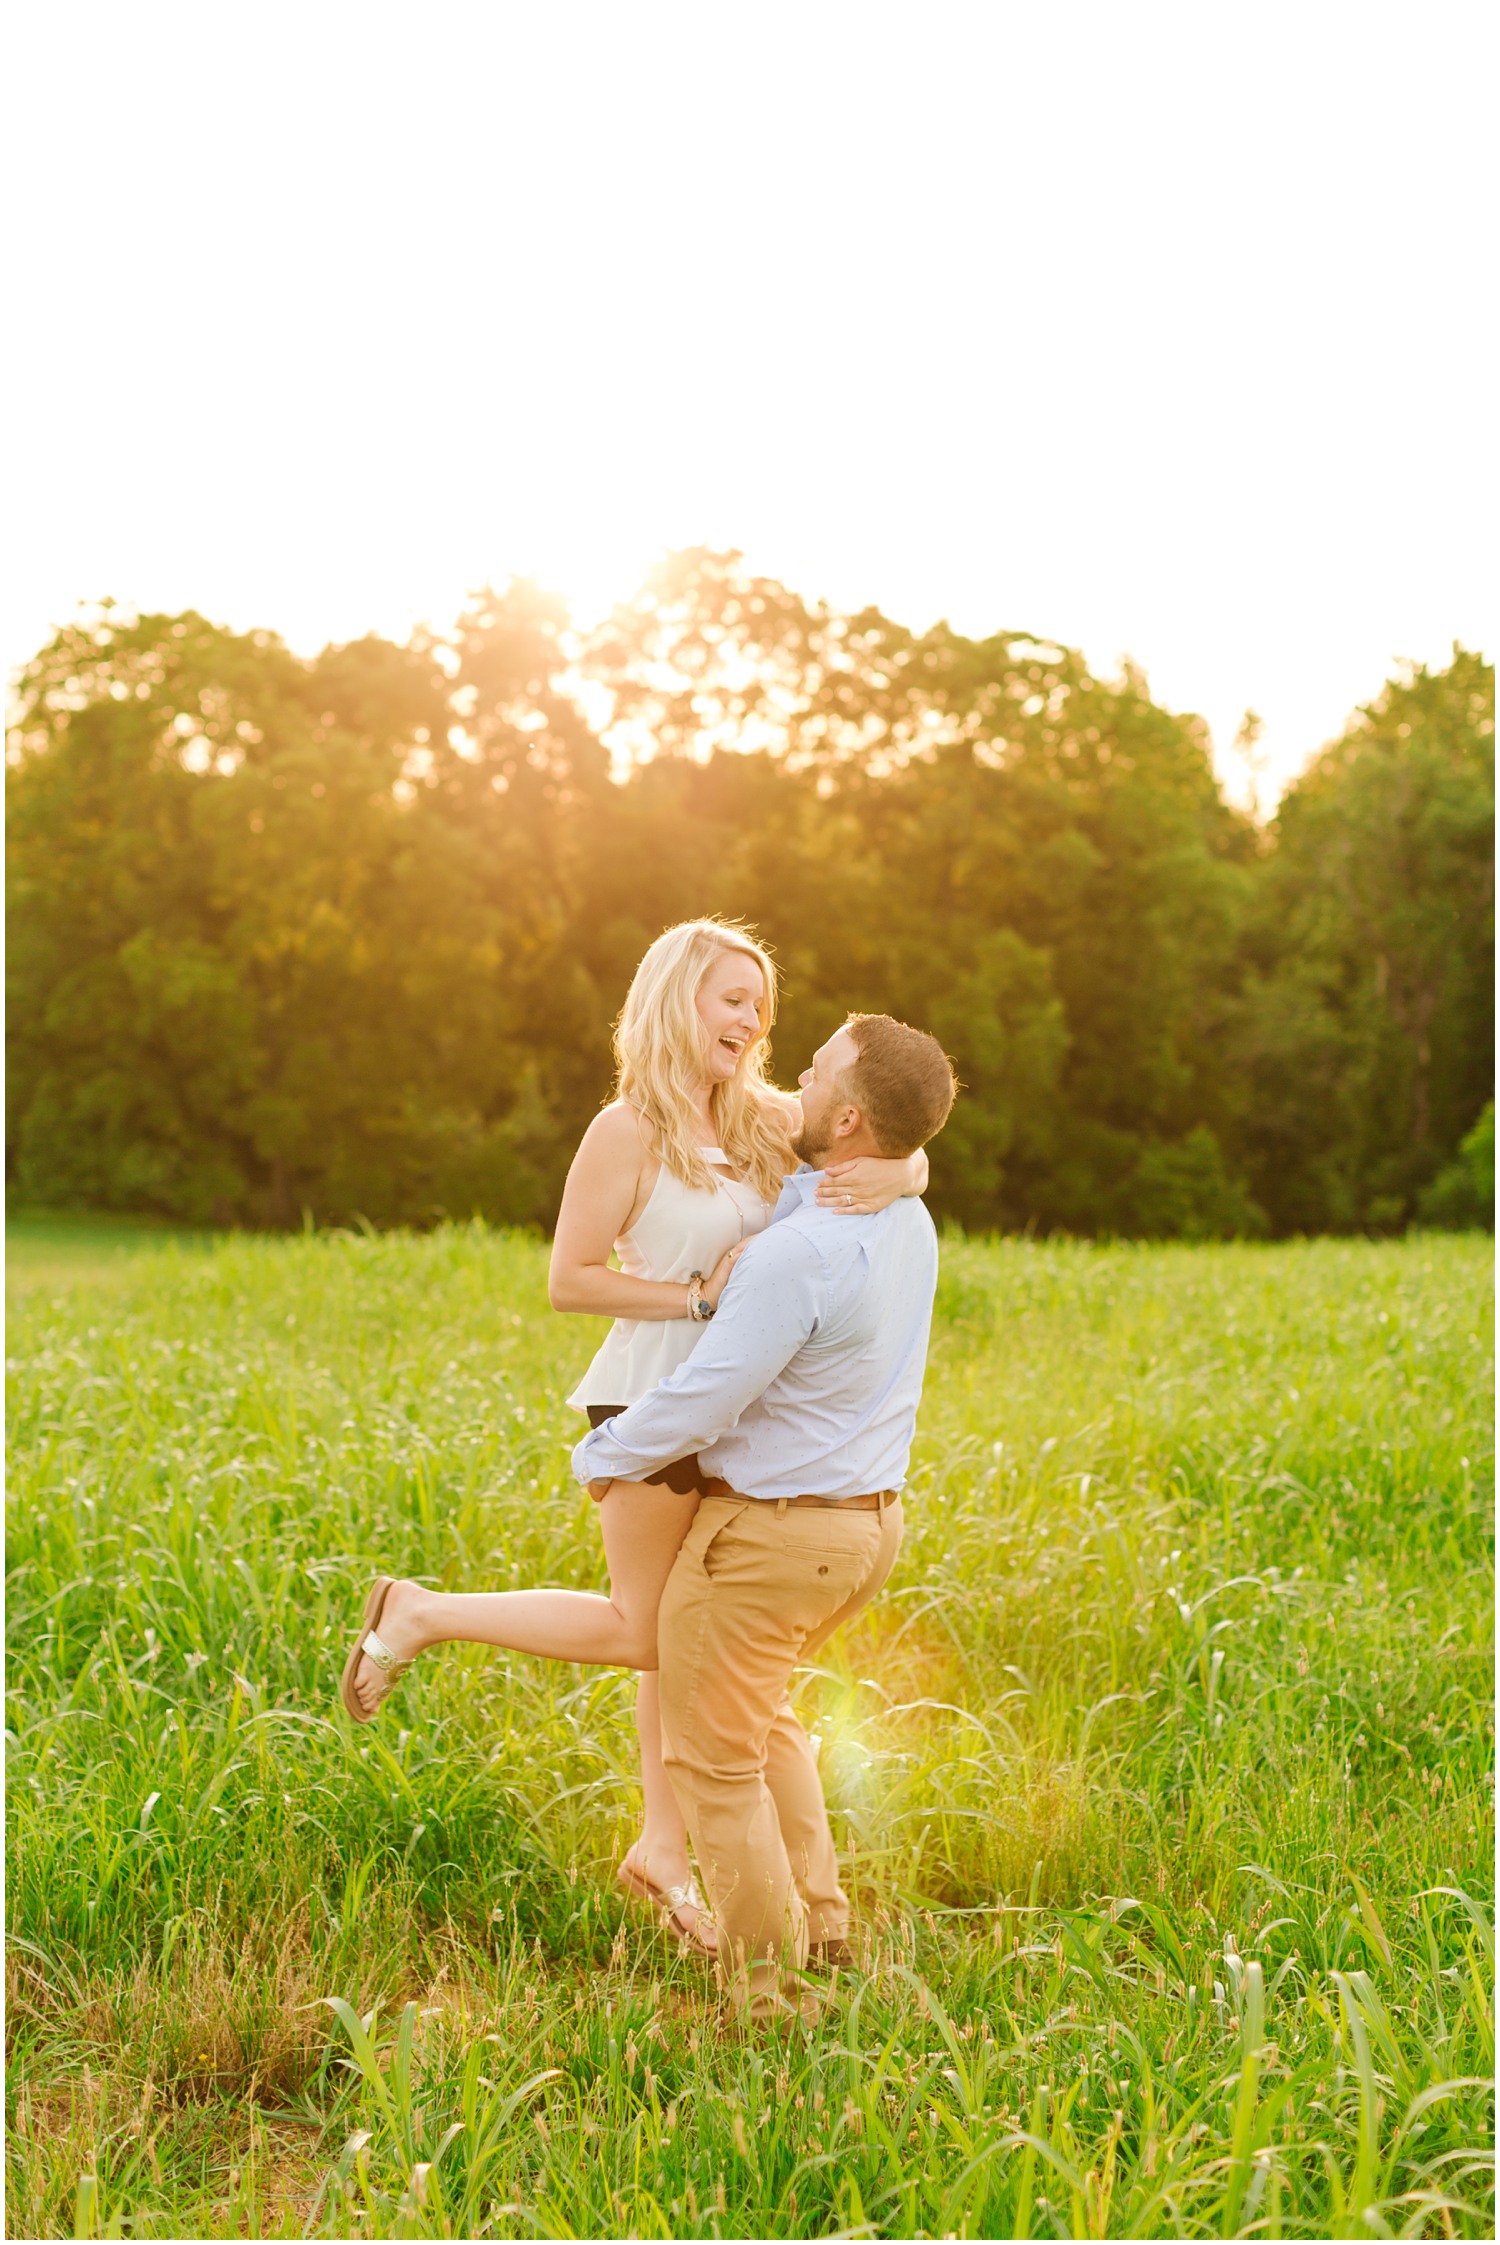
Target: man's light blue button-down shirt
(807,1382)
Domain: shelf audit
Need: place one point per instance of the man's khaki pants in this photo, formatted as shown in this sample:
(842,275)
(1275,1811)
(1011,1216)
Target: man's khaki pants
(755,1591)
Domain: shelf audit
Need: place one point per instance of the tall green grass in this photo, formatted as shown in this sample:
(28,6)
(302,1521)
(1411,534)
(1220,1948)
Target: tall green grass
(1163,1767)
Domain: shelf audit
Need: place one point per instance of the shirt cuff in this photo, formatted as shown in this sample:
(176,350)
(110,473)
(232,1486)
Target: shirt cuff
(581,1467)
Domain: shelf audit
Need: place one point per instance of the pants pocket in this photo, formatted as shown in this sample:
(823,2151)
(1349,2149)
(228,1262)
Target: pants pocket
(713,1520)
(830,1575)
(793,1571)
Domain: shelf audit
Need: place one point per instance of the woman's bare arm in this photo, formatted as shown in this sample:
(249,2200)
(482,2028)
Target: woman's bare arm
(873,1184)
(600,1201)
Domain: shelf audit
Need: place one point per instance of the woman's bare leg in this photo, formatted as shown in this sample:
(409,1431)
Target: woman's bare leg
(661,1852)
(643,1526)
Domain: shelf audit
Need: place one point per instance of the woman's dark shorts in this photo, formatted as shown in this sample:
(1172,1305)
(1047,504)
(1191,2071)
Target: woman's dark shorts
(682,1475)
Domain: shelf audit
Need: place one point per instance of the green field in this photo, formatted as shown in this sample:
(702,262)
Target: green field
(1164,1767)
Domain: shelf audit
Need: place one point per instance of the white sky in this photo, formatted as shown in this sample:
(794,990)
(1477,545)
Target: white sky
(1154,328)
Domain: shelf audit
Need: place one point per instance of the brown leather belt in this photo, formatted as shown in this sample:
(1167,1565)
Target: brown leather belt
(873,1500)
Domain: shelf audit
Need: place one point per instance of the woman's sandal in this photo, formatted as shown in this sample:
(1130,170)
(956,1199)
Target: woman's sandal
(367,1646)
(667,1901)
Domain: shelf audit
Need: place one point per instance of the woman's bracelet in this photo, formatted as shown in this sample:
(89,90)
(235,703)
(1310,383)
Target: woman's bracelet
(698,1310)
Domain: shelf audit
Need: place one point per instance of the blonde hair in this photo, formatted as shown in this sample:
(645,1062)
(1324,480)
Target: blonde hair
(661,1054)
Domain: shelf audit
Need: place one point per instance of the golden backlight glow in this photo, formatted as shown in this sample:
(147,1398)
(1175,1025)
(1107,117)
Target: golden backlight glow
(1109,324)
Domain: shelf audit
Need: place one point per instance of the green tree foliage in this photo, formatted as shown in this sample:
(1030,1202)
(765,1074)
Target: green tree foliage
(1366,1037)
(238,971)
(1462,1195)
(347,935)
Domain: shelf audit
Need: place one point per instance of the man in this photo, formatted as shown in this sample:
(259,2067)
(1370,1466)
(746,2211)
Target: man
(801,1400)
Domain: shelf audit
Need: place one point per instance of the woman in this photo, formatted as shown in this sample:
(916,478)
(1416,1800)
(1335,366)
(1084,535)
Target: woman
(674,1175)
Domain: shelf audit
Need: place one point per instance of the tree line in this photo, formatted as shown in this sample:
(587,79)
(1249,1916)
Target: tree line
(343,937)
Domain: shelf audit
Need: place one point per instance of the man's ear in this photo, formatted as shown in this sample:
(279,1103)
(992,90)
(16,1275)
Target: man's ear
(848,1123)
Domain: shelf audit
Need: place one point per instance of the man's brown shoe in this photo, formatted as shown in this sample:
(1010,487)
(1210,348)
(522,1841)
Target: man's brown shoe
(824,1956)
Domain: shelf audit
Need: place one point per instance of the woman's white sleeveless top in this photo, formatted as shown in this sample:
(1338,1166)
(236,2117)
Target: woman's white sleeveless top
(681,1229)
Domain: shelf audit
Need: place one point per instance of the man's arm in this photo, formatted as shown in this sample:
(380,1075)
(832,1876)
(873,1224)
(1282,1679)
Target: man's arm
(767,1310)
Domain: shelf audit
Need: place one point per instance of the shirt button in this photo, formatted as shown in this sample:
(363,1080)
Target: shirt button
(822,1570)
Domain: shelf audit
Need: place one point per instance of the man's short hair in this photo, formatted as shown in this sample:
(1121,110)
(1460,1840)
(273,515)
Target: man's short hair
(902,1083)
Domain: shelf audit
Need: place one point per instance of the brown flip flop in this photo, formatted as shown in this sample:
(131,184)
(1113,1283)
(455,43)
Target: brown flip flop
(367,1646)
(666,1901)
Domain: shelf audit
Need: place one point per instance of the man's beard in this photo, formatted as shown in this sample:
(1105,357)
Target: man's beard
(812,1140)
